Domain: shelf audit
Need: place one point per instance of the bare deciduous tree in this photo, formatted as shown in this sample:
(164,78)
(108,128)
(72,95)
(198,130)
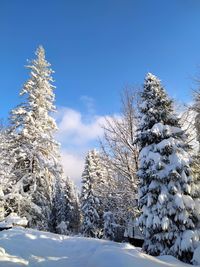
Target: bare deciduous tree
(120,156)
(118,144)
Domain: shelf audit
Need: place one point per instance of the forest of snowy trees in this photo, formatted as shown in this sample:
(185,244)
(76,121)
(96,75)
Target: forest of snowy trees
(144,179)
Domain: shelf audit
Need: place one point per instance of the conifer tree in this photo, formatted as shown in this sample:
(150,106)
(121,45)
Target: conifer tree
(6,165)
(196,157)
(33,147)
(196,108)
(3,175)
(72,207)
(2,204)
(91,205)
(109,225)
(67,207)
(165,177)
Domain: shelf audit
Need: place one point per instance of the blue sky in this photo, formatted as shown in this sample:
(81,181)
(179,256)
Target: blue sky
(98,47)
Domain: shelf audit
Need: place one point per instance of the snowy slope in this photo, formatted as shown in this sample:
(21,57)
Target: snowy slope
(25,247)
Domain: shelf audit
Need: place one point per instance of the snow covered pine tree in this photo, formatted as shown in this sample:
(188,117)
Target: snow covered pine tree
(196,108)
(165,178)
(33,147)
(67,207)
(109,225)
(196,157)
(91,206)
(6,164)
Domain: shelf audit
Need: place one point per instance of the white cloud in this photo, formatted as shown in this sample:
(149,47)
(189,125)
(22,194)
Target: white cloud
(77,134)
(73,165)
(76,129)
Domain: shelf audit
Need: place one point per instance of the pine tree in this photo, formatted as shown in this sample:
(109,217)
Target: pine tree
(91,205)
(33,147)
(6,164)
(196,108)
(196,188)
(109,225)
(58,212)
(73,207)
(196,157)
(67,207)
(2,204)
(165,178)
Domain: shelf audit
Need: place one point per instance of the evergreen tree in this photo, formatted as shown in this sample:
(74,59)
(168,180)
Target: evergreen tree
(58,212)
(67,208)
(109,225)
(2,205)
(196,157)
(33,147)
(91,205)
(196,108)
(6,165)
(196,188)
(165,178)
(73,205)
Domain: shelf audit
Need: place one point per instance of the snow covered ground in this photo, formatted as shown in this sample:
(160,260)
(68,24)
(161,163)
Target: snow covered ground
(26,247)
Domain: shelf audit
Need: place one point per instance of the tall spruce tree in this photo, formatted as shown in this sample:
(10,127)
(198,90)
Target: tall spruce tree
(33,147)
(196,158)
(109,225)
(4,171)
(67,207)
(196,108)
(9,201)
(72,207)
(91,201)
(165,178)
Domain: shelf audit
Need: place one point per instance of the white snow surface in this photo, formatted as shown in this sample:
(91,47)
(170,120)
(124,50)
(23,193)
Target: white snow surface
(196,256)
(13,220)
(27,247)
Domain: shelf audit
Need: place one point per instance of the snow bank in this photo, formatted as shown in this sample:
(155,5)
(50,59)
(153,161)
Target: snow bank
(7,260)
(13,220)
(26,247)
(196,256)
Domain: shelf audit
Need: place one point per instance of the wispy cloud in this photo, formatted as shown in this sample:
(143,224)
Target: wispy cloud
(89,103)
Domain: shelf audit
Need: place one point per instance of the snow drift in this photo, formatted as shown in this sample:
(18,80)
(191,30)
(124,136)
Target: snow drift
(27,247)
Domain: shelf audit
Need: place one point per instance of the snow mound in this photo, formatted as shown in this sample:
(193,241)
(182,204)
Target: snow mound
(7,260)
(13,220)
(27,247)
(196,256)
